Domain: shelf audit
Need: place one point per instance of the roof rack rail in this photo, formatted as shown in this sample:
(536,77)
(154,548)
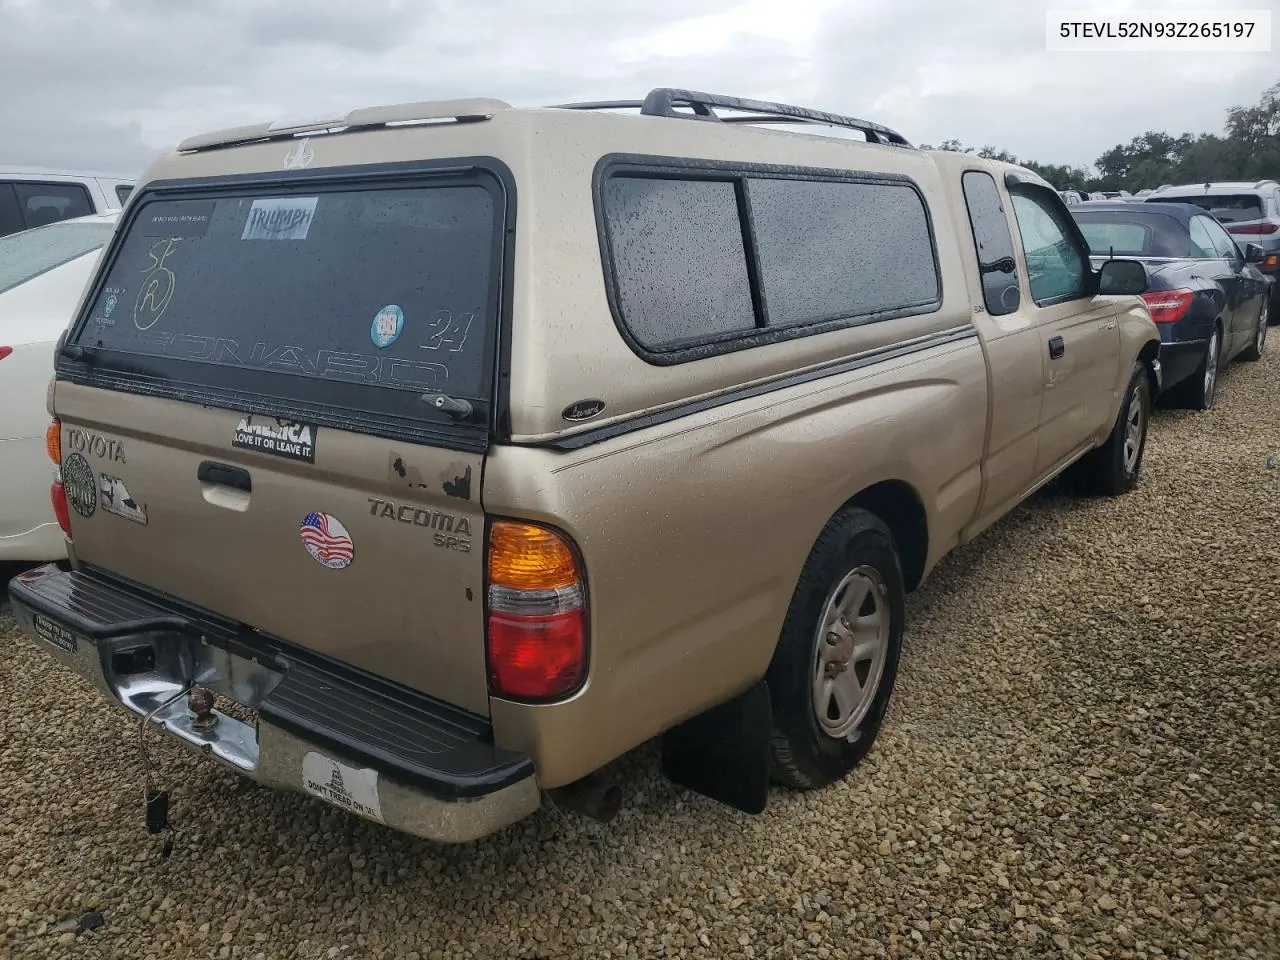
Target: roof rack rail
(1264,181)
(459,111)
(663,102)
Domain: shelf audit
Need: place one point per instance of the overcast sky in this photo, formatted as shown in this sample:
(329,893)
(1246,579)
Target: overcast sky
(105,84)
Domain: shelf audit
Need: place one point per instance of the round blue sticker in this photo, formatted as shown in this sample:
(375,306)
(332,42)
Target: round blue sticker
(387,326)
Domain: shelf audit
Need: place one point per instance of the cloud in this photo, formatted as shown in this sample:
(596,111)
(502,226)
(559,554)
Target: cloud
(108,83)
(988,80)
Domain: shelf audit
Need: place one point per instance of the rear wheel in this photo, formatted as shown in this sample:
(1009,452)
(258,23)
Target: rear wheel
(837,658)
(1113,468)
(1254,350)
(1202,385)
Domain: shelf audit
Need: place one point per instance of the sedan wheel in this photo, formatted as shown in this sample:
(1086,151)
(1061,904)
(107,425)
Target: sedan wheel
(1254,350)
(1209,374)
(1134,430)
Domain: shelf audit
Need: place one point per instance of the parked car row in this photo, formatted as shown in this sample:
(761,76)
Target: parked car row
(661,457)
(1213,257)
(1250,212)
(1208,297)
(1073,197)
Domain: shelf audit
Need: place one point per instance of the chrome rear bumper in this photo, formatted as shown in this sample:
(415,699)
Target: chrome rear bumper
(321,728)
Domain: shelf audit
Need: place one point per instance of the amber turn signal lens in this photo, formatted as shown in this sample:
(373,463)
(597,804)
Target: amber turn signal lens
(53,441)
(524,556)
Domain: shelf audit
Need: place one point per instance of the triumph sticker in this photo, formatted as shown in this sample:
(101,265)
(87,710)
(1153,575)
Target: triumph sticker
(80,485)
(352,788)
(327,540)
(280,218)
(283,438)
(116,499)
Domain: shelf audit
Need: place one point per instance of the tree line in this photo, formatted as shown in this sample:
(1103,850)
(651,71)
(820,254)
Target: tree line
(1249,149)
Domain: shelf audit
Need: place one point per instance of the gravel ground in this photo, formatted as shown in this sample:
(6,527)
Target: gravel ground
(1078,762)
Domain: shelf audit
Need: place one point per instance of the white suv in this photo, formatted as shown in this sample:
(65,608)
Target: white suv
(35,197)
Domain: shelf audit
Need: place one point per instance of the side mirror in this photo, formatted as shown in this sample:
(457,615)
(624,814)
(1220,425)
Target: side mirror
(1253,253)
(1122,278)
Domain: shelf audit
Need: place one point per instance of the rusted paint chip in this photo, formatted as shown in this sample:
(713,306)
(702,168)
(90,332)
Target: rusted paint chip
(460,485)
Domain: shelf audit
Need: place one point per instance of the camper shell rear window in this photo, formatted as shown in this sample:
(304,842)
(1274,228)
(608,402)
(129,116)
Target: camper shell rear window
(358,297)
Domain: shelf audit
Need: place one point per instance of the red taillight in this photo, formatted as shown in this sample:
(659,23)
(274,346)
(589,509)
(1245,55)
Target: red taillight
(1168,306)
(5,351)
(58,496)
(533,658)
(537,613)
(1253,229)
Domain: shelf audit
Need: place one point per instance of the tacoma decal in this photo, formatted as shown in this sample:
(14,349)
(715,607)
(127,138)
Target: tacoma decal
(451,533)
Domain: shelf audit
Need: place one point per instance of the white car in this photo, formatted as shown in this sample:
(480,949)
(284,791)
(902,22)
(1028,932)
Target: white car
(33,197)
(42,275)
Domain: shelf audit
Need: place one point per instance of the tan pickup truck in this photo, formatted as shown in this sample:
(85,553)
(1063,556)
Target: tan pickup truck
(466,448)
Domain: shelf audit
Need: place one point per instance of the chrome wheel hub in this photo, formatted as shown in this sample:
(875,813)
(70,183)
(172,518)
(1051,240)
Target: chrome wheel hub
(850,651)
(1133,426)
(1211,369)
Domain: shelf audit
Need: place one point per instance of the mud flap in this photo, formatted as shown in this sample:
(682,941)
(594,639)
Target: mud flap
(724,753)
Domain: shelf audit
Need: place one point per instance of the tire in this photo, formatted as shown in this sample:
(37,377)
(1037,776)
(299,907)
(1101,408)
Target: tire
(1112,469)
(1202,386)
(1254,350)
(855,556)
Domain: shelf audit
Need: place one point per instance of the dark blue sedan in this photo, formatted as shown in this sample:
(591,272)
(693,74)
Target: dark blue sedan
(1205,295)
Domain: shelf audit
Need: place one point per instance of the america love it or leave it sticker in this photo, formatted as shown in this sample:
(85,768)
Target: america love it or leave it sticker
(290,439)
(387,326)
(80,485)
(327,540)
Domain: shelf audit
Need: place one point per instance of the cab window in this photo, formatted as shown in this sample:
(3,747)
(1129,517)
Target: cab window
(1057,268)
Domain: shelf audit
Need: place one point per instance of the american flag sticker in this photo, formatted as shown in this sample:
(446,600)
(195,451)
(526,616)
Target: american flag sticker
(327,540)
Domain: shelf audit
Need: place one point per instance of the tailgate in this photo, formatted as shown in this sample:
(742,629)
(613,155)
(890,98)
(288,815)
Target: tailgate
(279,409)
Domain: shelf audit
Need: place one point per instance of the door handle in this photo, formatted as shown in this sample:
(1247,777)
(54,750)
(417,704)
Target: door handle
(224,474)
(1056,348)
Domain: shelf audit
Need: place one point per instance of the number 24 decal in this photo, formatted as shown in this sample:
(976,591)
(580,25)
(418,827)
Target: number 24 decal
(444,329)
